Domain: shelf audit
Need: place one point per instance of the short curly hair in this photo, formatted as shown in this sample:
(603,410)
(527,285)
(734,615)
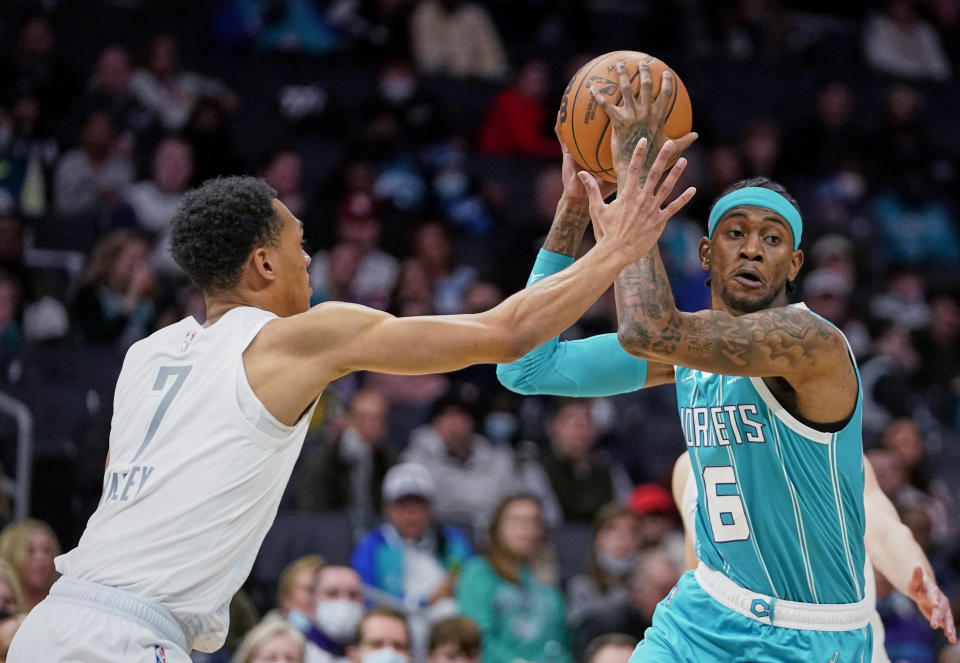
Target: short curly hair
(217,226)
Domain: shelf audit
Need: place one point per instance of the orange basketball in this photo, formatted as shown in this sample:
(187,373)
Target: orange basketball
(585,127)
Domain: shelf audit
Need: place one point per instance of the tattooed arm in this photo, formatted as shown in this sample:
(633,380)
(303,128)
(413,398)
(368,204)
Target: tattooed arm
(790,343)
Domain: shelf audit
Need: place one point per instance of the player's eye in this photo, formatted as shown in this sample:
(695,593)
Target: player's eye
(773,239)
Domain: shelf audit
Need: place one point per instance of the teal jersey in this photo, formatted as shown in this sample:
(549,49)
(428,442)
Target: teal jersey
(780,504)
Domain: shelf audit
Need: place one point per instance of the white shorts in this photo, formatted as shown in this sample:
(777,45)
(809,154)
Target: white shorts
(67,629)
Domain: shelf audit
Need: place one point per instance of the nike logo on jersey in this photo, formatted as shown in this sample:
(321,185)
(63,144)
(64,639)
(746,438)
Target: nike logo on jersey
(536,277)
(721,424)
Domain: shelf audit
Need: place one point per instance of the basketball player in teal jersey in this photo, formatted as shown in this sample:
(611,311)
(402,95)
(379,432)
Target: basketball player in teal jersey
(770,408)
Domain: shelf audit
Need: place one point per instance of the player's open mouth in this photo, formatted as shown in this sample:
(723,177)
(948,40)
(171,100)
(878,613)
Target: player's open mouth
(749,279)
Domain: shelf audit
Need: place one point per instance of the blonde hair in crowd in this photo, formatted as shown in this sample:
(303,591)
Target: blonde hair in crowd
(309,562)
(8,576)
(13,540)
(259,634)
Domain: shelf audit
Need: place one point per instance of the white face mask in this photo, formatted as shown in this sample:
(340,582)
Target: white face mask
(338,619)
(384,655)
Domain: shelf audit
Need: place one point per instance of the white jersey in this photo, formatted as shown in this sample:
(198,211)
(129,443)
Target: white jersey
(197,470)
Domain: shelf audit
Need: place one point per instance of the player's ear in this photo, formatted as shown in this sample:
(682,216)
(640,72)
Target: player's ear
(261,260)
(796,262)
(704,252)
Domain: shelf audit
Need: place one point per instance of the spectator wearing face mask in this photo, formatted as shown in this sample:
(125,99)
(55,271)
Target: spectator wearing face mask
(297,600)
(339,596)
(595,597)
(383,636)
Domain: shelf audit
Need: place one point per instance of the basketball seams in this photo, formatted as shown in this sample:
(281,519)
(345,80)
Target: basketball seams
(587,68)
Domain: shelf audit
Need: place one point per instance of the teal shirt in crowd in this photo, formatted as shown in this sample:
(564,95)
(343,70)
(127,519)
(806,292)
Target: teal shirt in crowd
(520,622)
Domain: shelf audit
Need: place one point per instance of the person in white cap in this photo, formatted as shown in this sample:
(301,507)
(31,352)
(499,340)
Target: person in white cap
(410,559)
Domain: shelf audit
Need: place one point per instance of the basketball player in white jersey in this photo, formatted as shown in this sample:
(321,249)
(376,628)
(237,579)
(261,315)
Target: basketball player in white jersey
(890,546)
(209,418)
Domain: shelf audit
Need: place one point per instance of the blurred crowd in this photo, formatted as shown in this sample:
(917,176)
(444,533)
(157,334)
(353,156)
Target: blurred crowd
(414,139)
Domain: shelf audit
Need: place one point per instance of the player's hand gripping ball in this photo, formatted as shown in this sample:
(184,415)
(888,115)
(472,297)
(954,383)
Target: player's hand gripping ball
(585,127)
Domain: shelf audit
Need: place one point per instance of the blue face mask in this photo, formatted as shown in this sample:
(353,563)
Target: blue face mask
(299,621)
(384,655)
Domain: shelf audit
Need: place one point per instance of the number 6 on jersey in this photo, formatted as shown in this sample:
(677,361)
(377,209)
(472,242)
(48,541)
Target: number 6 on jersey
(727,519)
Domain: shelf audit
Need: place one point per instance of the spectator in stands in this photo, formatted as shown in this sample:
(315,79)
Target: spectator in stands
(382,637)
(109,89)
(470,474)
(359,226)
(170,93)
(113,305)
(887,379)
(521,617)
(658,517)
(283,170)
(410,559)
(149,204)
(456,38)
(11,595)
(596,596)
(904,301)
(448,280)
(271,641)
(913,227)
(297,601)
(939,347)
(653,577)
(90,178)
(518,121)
(37,64)
(900,43)
(830,137)
(29,546)
(571,477)
(610,648)
(455,640)
(349,473)
(760,149)
(923,489)
(339,596)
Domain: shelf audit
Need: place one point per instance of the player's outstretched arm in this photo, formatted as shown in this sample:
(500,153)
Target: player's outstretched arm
(898,556)
(595,366)
(294,358)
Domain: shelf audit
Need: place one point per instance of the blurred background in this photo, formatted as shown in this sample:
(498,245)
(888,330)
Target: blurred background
(414,140)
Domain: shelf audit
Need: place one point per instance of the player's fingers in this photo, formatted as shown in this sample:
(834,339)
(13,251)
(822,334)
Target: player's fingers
(612,111)
(686,141)
(626,89)
(635,168)
(679,202)
(670,181)
(646,84)
(665,98)
(950,630)
(667,153)
(594,198)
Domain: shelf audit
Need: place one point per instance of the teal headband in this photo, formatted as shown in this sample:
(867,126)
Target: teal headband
(761,197)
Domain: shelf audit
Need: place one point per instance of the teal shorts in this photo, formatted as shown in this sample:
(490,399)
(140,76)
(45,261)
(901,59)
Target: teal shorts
(690,625)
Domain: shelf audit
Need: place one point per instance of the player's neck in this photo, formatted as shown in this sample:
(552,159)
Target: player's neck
(718,303)
(220,303)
